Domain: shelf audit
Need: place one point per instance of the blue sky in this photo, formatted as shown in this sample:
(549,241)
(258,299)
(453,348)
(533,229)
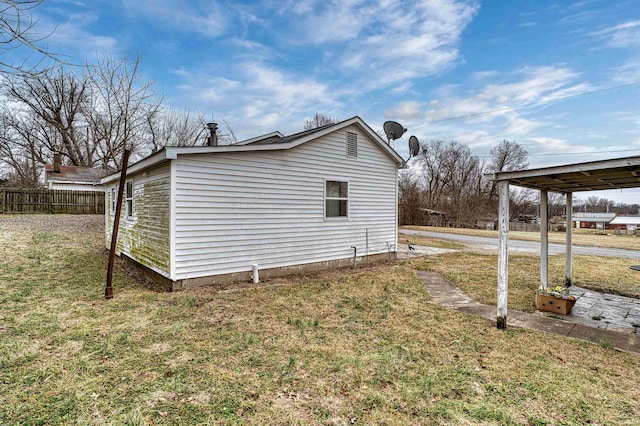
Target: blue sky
(265,66)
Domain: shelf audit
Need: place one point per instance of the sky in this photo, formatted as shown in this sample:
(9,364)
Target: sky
(561,78)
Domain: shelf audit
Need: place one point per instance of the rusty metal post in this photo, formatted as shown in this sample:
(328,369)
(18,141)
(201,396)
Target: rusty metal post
(108,290)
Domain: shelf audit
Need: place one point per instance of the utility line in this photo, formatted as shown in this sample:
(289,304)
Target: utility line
(476,114)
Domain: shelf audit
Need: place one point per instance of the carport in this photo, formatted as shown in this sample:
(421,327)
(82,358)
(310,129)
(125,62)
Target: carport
(617,173)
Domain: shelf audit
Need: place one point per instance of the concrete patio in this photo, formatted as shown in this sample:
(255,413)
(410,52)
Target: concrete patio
(605,311)
(616,325)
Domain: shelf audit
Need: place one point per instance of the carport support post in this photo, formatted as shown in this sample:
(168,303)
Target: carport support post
(503,253)
(568,276)
(544,240)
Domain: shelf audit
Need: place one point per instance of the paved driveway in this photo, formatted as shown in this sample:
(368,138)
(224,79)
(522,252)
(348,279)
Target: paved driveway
(491,243)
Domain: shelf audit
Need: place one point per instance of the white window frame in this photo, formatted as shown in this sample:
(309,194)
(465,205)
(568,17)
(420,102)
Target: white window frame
(324,204)
(129,208)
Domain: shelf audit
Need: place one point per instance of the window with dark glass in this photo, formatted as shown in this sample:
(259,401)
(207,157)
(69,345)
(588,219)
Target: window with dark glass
(129,198)
(114,200)
(336,198)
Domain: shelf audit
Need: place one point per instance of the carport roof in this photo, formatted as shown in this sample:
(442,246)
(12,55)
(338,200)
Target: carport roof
(590,176)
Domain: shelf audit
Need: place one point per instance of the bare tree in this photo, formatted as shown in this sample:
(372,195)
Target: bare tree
(169,127)
(89,118)
(123,103)
(318,120)
(506,156)
(409,199)
(437,168)
(20,157)
(17,30)
(56,100)
(229,136)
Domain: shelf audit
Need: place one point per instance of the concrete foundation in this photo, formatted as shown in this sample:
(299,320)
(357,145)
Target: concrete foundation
(165,284)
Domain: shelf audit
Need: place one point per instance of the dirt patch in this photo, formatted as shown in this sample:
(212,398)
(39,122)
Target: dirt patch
(52,222)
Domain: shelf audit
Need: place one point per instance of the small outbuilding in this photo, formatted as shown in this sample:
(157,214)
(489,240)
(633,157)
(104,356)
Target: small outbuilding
(268,206)
(625,223)
(71,178)
(592,220)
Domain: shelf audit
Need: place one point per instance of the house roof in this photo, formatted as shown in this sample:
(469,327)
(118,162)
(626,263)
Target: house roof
(625,220)
(260,143)
(617,173)
(272,135)
(291,138)
(431,211)
(593,217)
(73,174)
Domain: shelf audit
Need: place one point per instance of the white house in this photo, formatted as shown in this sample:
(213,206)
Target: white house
(73,178)
(205,215)
(592,220)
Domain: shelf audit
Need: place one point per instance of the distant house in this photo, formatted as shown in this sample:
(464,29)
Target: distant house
(628,223)
(592,220)
(432,217)
(268,206)
(75,178)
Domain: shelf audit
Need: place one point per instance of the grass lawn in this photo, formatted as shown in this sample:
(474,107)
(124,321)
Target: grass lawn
(583,237)
(476,275)
(344,347)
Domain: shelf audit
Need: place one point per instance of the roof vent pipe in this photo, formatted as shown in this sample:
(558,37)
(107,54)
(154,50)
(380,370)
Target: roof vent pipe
(57,160)
(213,137)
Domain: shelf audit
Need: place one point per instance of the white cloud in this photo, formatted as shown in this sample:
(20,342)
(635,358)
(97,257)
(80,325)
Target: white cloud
(481,75)
(390,41)
(491,103)
(409,110)
(622,35)
(259,98)
(73,34)
(627,73)
(205,18)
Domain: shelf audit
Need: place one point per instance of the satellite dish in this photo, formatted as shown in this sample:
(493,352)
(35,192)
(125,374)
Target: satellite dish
(393,130)
(414,146)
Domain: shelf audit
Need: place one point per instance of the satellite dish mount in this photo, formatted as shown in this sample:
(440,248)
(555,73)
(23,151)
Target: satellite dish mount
(393,130)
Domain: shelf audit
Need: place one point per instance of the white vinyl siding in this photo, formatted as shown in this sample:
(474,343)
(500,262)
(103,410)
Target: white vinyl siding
(233,210)
(145,236)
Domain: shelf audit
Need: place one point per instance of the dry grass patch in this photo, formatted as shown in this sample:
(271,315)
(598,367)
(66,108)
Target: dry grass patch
(583,237)
(364,347)
(477,275)
(429,242)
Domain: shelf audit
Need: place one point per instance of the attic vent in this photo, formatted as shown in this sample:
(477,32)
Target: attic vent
(352,144)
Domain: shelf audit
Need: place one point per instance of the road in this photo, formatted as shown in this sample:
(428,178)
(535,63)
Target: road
(517,245)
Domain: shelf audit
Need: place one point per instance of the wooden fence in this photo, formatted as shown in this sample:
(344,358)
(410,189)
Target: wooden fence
(41,200)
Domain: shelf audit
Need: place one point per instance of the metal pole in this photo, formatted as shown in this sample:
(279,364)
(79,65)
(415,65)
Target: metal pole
(355,254)
(108,290)
(367,237)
